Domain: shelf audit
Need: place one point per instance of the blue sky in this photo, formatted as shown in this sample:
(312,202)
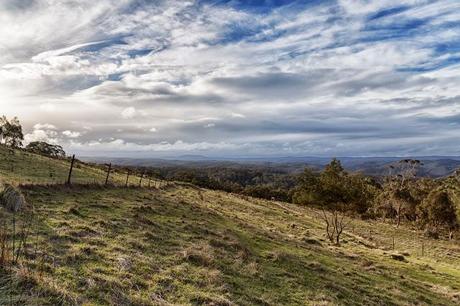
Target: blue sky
(234,78)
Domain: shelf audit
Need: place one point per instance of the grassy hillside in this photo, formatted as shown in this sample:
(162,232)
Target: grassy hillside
(182,245)
(21,167)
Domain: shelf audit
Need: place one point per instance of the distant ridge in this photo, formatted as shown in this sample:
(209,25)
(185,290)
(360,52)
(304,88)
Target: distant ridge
(433,166)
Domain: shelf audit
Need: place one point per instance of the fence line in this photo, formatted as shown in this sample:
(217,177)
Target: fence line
(25,168)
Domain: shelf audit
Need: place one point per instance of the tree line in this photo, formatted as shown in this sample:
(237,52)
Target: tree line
(250,180)
(400,196)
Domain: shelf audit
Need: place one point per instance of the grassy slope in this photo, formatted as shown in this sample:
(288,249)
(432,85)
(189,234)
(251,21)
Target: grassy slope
(184,245)
(26,168)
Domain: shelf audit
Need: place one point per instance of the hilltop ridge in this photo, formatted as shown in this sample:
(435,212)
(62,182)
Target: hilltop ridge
(433,166)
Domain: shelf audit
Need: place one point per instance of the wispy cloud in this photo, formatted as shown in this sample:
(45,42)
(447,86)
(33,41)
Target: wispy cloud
(269,77)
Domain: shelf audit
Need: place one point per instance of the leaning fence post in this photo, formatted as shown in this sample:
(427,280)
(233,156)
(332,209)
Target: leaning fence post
(70,170)
(127,179)
(108,174)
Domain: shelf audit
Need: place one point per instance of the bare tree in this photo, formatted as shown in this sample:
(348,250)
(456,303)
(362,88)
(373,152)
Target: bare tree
(335,225)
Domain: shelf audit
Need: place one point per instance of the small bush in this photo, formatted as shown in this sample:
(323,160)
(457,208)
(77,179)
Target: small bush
(431,233)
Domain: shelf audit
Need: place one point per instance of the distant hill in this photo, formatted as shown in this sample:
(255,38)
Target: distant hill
(432,166)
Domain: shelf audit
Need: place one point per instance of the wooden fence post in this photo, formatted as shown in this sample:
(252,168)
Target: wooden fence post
(140,180)
(127,179)
(108,174)
(393,243)
(70,170)
(149,181)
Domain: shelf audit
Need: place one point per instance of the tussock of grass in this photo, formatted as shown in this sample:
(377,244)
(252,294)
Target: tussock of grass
(200,255)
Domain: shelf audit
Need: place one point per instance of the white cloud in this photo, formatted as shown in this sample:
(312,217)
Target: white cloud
(45,126)
(178,146)
(41,135)
(48,107)
(71,134)
(236,115)
(128,113)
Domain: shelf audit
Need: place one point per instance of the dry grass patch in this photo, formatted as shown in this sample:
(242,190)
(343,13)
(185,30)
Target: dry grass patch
(201,255)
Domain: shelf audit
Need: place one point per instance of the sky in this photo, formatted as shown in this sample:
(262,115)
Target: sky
(140,78)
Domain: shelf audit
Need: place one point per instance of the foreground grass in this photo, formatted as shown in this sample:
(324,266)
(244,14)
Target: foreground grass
(188,246)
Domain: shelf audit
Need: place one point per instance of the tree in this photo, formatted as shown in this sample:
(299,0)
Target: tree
(307,189)
(438,211)
(361,192)
(11,132)
(334,189)
(397,197)
(334,195)
(333,184)
(43,148)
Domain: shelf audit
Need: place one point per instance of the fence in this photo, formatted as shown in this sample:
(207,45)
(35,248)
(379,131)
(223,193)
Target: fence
(394,242)
(21,167)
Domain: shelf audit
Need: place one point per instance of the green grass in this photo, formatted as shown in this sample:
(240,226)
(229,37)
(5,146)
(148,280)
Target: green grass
(183,245)
(26,168)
